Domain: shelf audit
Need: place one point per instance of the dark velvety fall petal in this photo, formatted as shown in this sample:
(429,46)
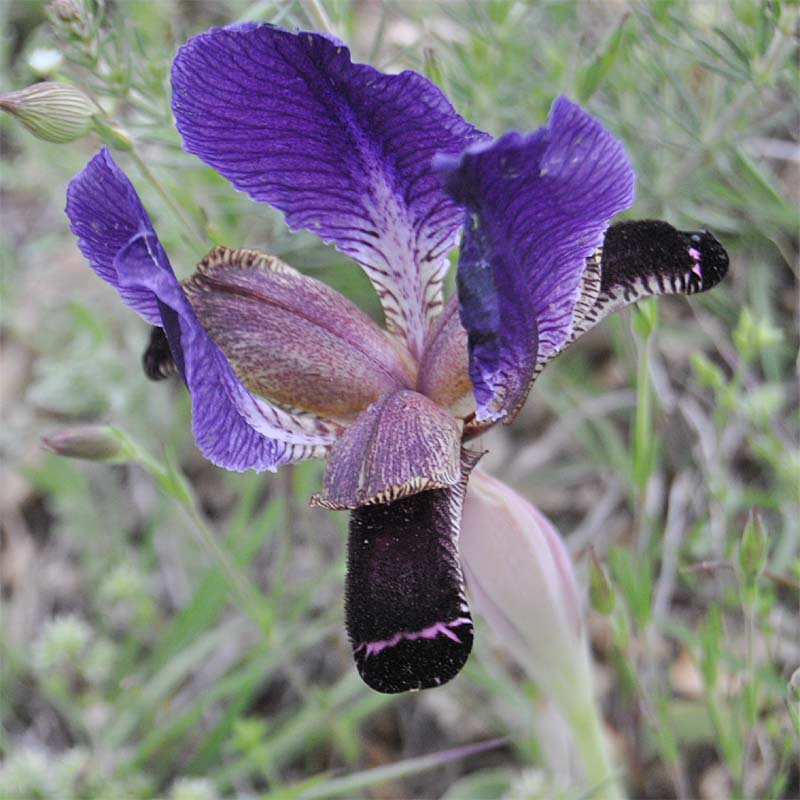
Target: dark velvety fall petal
(639,259)
(232,427)
(538,207)
(293,339)
(649,257)
(342,149)
(402,444)
(407,615)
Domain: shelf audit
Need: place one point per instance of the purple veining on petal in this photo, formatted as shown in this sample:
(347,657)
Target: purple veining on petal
(292,339)
(402,444)
(342,149)
(105,213)
(233,428)
(538,207)
(431,632)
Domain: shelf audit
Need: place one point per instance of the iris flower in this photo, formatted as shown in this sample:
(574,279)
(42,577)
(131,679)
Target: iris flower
(282,368)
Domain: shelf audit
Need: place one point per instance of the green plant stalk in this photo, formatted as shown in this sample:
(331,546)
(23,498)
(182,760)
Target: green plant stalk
(643,435)
(587,728)
(749,594)
(176,486)
(195,237)
(318,16)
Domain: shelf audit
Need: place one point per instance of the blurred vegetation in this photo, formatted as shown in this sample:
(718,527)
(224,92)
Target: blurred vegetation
(172,630)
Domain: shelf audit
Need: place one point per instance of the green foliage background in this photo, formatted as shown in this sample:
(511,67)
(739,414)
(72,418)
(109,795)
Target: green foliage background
(169,629)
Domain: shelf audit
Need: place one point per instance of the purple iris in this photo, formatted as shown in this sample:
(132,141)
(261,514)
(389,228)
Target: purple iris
(282,368)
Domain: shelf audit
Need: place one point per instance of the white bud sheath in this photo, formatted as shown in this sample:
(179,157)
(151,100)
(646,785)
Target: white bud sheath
(519,577)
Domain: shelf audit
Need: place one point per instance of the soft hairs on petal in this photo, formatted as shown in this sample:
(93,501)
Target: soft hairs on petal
(407,616)
(538,206)
(642,258)
(233,428)
(340,148)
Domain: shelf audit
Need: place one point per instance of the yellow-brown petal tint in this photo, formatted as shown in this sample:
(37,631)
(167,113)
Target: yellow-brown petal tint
(401,445)
(293,339)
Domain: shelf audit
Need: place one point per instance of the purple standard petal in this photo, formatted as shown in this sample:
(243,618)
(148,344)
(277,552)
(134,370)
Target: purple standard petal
(293,339)
(340,148)
(401,445)
(538,206)
(233,428)
(407,615)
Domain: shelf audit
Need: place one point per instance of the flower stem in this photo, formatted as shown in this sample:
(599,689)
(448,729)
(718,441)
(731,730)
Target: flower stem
(318,16)
(587,727)
(176,486)
(194,236)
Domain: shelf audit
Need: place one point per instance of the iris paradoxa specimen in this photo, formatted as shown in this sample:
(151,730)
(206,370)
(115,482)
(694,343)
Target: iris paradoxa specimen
(282,368)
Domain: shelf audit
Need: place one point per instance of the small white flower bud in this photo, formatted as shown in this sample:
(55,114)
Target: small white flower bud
(55,112)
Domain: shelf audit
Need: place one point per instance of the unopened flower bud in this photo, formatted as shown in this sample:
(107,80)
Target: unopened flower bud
(520,578)
(601,590)
(754,546)
(55,112)
(89,442)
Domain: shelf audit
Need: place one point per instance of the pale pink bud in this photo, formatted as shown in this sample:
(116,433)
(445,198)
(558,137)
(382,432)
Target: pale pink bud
(520,578)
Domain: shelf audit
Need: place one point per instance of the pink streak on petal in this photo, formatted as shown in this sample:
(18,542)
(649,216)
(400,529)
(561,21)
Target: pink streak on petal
(443,628)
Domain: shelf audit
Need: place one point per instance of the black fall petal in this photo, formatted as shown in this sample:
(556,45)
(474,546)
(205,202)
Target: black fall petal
(406,611)
(157,358)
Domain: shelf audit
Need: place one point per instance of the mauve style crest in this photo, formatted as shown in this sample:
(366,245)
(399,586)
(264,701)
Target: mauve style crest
(282,368)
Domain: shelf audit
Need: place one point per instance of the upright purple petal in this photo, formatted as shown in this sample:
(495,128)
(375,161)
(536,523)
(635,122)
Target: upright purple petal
(342,149)
(538,206)
(233,428)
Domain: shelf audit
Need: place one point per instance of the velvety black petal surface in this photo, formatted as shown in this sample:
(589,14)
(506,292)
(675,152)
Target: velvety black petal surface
(642,258)
(407,614)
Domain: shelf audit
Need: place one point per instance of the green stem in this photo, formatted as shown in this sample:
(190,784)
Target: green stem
(587,727)
(318,16)
(176,486)
(248,597)
(195,237)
